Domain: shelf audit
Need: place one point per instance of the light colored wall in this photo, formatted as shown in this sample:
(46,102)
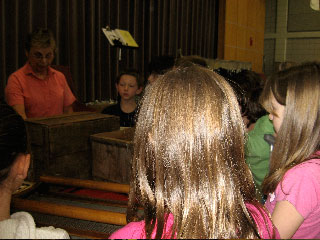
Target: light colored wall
(289,46)
(244,23)
(269,63)
(303,49)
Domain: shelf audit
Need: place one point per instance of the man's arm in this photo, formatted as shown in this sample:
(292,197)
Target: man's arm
(20,110)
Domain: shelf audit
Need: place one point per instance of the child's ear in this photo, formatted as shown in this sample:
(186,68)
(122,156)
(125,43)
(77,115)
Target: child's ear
(139,90)
(117,86)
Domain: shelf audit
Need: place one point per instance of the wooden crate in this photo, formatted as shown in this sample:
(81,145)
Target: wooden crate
(111,155)
(60,145)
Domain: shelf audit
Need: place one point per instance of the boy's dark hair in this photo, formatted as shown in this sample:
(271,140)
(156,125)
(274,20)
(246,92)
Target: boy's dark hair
(40,37)
(132,72)
(247,86)
(160,64)
(248,80)
(13,136)
(230,76)
(251,83)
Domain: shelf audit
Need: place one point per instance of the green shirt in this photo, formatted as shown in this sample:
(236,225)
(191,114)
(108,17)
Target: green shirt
(258,150)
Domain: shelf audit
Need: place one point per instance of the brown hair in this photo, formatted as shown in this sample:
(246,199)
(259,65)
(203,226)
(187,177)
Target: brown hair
(298,89)
(133,73)
(189,159)
(40,37)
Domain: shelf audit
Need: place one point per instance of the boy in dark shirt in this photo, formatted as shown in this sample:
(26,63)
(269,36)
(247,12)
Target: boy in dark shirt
(128,86)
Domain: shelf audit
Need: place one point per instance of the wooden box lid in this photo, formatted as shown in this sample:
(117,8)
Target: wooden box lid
(67,118)
(123,136)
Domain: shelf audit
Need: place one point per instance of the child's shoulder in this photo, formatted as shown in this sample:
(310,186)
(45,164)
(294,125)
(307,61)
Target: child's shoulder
(312,164)
(133,230)
(304,173)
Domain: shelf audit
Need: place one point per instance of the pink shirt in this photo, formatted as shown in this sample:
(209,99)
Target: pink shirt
(301,187)
(135,230)
(41,98)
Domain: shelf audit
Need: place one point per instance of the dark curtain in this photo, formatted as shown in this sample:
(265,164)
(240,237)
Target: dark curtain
(160,27)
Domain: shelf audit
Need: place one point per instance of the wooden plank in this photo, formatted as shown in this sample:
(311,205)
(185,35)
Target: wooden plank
(70,211)
(120,136)
(105,186)
(69,118)
(86,199)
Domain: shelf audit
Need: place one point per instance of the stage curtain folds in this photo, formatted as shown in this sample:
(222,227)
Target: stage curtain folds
(160,27)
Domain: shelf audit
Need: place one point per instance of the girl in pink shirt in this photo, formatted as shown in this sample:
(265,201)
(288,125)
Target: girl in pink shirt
(188,169)
(292,97)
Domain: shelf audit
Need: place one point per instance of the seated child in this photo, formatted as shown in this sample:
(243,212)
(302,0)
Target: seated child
(14,167)
(257,150)
(188,170)
(247,86)
(292,97)
(128,85)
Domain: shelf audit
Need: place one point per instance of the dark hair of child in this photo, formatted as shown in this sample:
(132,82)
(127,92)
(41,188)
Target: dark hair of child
(13,137)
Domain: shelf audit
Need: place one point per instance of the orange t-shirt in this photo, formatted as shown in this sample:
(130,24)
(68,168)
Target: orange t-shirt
(41,98)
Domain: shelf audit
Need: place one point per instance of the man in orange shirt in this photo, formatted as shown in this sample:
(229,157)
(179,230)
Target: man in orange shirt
(36,89)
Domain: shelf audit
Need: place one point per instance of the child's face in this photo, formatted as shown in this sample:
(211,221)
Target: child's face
(277,115)
(128,87)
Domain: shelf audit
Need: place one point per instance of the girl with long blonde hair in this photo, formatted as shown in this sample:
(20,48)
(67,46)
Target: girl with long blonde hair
(188,170)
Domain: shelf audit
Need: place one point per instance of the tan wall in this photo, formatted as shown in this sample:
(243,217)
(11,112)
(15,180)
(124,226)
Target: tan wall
(242,25)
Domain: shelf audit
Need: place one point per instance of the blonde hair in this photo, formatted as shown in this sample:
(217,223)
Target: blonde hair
(298,89)
(189,159)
